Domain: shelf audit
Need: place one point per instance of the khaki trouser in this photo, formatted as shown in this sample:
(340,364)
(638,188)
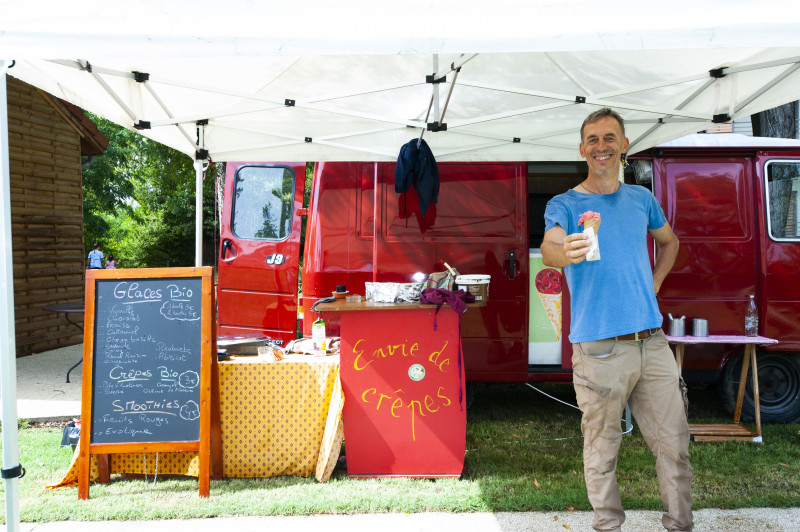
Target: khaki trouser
(607,374)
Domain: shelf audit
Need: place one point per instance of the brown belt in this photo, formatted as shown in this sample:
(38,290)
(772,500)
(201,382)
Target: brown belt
(641,335)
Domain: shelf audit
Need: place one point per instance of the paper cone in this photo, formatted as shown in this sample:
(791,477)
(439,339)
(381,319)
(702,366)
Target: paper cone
(594,223)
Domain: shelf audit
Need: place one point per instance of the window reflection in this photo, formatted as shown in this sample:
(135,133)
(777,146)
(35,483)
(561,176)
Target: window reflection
(783,184)
(262,203)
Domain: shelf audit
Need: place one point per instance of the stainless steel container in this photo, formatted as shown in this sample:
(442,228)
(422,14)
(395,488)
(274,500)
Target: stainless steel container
(699,327)
(677,326)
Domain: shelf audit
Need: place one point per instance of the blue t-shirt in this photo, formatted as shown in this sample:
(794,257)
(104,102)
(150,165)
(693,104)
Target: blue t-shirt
(614,295)
(95,258)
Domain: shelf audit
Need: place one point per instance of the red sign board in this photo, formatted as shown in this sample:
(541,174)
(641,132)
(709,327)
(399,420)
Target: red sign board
(405,412)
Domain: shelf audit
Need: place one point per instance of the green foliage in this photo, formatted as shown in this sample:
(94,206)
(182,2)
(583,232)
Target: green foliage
(139,202)
(106,182)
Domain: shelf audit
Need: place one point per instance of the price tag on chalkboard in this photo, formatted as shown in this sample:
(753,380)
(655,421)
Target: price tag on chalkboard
(147,364)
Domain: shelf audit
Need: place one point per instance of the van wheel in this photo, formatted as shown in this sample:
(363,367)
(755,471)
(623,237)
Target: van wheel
(778,386)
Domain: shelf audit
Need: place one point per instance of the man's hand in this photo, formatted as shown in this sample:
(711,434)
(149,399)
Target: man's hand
(576,247)
(559,248)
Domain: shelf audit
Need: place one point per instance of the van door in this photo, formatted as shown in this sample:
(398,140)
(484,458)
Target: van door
(707,200)
(260,249)
(478,226)
(779,302)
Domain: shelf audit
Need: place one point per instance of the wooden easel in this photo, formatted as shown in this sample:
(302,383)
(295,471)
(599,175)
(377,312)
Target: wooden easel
(204,361)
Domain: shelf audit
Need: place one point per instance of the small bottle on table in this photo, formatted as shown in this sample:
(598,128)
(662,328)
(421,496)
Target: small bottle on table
(751,318)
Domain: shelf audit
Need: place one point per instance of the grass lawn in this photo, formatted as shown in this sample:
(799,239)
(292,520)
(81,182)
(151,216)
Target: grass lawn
(524,453)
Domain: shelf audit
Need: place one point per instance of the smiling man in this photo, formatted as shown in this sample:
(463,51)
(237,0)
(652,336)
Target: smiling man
(619,352)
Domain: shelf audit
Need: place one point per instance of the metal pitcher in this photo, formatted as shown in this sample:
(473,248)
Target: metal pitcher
(677,326)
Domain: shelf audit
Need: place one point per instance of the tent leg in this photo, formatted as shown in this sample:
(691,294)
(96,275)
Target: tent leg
(8,348)
(198,219)
(199,167)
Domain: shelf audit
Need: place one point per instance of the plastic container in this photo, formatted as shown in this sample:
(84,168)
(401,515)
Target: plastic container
(477,285)
(318,337)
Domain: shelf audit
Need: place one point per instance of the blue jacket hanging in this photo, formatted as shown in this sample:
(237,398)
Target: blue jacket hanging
(416,166)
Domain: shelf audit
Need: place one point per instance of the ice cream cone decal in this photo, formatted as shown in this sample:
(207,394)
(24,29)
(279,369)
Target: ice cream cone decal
(548,285)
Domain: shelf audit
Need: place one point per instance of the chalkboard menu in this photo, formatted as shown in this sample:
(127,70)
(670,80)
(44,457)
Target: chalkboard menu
(146,373)
(147,364)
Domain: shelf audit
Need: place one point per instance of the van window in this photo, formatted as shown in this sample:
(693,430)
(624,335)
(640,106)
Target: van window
(706,191)
(262,202)
(783,184)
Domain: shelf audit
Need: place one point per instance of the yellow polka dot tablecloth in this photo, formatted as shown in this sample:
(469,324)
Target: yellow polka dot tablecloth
(276,418)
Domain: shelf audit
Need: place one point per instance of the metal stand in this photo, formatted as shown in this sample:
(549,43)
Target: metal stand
(67,309)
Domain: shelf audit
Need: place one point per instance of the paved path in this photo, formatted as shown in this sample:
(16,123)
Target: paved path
(42,391)
(744,520)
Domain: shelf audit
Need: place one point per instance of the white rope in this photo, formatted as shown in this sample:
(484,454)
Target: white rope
(570,405)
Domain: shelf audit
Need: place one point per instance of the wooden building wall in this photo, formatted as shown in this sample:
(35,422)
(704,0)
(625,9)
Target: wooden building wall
(46,218)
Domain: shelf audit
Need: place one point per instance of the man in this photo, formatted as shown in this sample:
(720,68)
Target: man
(95,258)
(619,353)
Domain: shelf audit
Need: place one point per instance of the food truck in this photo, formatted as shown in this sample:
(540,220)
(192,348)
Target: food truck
(731,200)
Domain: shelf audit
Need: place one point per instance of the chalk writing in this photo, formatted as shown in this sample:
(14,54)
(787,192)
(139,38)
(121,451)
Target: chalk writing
(132,292)
(146,374)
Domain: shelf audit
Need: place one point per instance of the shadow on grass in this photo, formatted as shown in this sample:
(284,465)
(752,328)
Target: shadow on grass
(525,451)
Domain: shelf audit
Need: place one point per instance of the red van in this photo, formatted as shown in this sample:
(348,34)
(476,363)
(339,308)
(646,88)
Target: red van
(735,210)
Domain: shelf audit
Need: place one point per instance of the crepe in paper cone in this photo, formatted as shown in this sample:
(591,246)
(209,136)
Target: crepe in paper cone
(591,224)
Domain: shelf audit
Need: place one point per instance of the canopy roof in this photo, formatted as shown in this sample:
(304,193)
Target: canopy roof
(322,81)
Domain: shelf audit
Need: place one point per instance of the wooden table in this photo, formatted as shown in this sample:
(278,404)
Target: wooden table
(736,430)
(276,419)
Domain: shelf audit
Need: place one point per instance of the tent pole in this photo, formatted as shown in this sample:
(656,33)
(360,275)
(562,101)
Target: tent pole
(375,212)
(436,114)
(8,351)
(199,167)
(198,208)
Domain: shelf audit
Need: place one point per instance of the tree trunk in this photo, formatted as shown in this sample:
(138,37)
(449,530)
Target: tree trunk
(779,122)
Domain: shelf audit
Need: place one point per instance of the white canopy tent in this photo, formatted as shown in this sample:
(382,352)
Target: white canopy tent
(321,81)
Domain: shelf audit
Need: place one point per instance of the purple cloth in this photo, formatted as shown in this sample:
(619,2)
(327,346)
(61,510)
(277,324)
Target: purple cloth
(457,299)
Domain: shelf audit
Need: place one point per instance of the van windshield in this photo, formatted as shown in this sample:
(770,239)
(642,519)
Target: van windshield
(262,202)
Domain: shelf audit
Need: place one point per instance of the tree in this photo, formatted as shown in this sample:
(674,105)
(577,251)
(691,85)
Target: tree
(106,186)
(139,202)
(779,122)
